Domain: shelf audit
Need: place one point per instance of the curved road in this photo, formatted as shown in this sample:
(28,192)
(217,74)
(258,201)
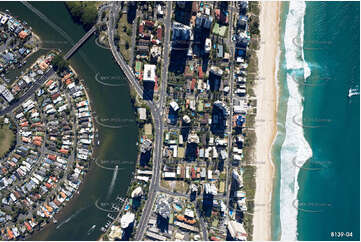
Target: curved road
(158,125)
(157,113)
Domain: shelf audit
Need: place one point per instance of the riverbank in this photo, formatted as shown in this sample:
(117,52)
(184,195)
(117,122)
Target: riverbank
(38,42)
(265,125)
(117,145)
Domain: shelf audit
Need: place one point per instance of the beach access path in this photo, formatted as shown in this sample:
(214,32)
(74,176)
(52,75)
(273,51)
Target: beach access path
(265,125)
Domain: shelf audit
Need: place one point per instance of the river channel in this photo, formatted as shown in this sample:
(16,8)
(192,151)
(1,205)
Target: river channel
(117,129)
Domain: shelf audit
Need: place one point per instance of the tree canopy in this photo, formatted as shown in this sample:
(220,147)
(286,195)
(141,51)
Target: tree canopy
(59,64)
(83,12)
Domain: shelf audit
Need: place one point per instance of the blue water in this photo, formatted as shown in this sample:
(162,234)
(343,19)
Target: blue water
(317,192)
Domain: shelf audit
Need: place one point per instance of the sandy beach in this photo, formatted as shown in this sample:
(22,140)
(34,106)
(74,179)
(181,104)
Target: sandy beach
(266,93)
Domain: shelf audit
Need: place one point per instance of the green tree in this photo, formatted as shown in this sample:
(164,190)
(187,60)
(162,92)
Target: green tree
(59,63)
(85,13)
(75,9)
(89,16)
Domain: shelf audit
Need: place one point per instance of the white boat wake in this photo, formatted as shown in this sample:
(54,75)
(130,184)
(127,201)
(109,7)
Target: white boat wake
(111,187)
(70,218)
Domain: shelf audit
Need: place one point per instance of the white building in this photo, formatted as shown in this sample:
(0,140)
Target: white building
(186,119)
(207,45)
(210,189)
(142,113)
(237,230)
(189,213)
(149,72)
(174,106)
(236,176)
(126,220)
(8,96)
(137,192)
(169,175)
(193,138)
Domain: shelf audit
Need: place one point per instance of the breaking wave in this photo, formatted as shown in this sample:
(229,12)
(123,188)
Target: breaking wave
(295,145)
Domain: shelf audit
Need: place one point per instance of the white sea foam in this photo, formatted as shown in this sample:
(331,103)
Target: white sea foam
(295,145)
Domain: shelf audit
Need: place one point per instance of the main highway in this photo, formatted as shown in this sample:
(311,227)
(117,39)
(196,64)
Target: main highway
(30,92)
(154,108)
(231,81)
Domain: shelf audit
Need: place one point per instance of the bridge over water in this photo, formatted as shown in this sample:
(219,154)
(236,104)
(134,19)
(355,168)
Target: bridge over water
(79,43)
(38,83)
(76,46)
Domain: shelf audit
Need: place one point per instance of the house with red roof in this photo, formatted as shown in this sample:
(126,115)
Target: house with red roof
(52,157)
(48,83)
(160,33)
(200,72)
(149,23)
(10,233)
(141,28)
(28,227)
(193,84)
(23,34)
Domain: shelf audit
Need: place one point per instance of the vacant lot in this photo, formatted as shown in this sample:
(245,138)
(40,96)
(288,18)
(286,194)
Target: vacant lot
(124,33)
(6,139)
(175,186)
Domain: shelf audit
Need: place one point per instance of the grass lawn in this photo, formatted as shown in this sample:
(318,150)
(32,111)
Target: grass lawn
(6,139)
(125,33)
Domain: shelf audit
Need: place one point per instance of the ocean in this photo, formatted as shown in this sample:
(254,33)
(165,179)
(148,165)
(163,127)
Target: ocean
(316,151)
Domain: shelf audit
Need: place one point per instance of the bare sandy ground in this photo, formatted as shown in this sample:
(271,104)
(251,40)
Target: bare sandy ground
(266,93)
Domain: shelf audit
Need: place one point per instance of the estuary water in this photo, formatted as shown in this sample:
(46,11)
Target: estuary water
(113,108)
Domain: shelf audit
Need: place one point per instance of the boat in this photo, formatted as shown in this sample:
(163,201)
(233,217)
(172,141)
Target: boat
(91,229)
(353,92)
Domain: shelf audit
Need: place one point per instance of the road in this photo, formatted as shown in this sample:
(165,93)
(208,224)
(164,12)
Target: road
(157,153)
(30,92)
(156,114)
(231,81)
(202,223)
(79,43)
(166,47)
(117,56)
(156,109)
(50,72)
(157,118)
(38,83)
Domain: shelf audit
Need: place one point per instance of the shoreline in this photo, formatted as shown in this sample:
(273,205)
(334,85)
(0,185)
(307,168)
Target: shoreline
(266,119)
(61,214)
